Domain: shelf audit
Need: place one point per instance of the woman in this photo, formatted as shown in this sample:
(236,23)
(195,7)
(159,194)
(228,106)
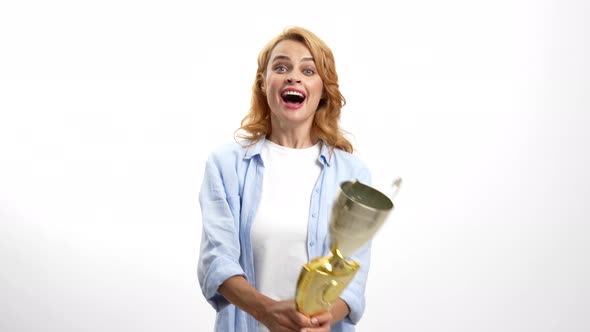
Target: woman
(265,200)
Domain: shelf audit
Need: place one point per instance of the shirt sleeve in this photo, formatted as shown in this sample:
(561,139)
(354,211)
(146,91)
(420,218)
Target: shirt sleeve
(220,249)
(354,293)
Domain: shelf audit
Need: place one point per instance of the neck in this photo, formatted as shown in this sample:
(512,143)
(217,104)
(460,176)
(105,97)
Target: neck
(293,141)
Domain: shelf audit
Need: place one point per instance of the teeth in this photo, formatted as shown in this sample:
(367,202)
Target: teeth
(293,93)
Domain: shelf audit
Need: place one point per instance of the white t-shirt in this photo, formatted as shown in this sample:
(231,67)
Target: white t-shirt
(279,230)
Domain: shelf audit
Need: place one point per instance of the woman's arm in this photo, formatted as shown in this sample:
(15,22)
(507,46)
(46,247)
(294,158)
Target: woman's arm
(240,293)
(339,310)
(276,315)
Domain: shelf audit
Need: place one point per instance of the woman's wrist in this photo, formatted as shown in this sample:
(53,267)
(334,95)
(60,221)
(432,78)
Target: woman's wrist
(339,311)
(260,306)
(240,293)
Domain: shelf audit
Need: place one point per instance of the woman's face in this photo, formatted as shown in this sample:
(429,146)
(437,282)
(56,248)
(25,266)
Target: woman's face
(292,86)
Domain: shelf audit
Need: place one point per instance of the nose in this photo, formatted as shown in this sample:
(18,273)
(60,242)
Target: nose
(291,79)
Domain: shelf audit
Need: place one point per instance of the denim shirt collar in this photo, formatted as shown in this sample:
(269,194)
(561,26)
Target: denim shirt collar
(256,148)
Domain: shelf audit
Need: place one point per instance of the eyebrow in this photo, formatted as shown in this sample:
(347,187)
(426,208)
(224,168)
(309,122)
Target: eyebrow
(284,57)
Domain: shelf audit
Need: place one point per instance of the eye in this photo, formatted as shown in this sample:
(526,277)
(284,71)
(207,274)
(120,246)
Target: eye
(280,68)
(308,72)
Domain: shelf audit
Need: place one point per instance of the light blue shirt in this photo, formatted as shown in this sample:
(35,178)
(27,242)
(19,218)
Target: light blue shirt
(229,197)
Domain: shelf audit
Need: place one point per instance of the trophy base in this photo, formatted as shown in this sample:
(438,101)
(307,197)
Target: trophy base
(321,282)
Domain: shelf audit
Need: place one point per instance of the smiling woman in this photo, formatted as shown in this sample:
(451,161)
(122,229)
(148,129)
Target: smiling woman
(265,199)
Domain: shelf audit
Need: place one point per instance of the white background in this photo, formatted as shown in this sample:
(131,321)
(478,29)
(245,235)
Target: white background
(108,110)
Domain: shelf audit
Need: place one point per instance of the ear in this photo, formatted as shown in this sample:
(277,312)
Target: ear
(262,88)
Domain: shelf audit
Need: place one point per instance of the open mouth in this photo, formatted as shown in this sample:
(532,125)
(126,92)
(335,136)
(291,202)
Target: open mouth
(293,97)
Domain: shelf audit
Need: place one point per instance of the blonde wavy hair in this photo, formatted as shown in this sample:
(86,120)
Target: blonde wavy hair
(326,125)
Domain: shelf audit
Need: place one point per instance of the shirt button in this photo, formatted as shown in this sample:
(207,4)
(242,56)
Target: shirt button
(311,244)
(317,190)
(313,214)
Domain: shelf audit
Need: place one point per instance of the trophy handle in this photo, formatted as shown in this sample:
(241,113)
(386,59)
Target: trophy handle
(396,186)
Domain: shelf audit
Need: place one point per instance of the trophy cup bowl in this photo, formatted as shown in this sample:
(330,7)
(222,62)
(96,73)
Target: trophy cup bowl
(358,213)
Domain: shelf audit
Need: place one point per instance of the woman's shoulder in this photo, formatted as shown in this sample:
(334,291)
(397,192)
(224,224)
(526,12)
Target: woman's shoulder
(229,150)
(346,165)
(225,147)
(349,158)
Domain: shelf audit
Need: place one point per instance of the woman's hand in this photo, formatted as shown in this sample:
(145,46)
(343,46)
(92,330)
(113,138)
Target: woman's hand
(322,323)
(277,316)
(282,316)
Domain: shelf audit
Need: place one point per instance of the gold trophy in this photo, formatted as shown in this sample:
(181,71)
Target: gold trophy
(357,214)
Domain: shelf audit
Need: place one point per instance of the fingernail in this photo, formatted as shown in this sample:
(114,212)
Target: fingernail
(314,321)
